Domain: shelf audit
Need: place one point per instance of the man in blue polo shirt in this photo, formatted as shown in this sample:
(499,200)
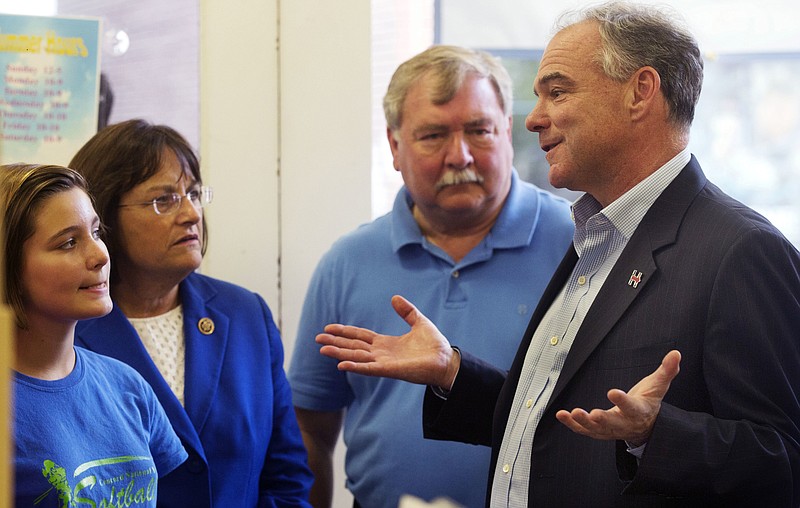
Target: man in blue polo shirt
(467,241)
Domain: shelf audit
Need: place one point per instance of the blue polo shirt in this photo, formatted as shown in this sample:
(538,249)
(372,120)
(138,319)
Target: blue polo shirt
(481,304)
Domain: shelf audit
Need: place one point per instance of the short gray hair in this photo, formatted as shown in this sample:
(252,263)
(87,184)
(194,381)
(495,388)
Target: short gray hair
(637,35)
(449,65)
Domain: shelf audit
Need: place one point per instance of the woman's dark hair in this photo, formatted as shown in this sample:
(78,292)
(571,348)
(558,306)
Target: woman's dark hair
(120,157)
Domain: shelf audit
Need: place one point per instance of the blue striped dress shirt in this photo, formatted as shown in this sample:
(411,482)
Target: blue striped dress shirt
(600,236)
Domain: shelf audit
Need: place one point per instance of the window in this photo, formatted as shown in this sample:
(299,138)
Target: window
(744,134)
(747,122)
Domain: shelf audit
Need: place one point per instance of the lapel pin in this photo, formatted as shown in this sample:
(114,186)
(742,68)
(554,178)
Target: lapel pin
(636,278)
(206,326)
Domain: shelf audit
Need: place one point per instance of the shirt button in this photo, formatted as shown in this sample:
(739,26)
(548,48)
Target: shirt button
(455,274)
(506,468)
(581,280)
(528,403)
(553,340)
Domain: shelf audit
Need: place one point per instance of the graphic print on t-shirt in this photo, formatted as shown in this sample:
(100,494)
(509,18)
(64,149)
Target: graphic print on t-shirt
(102,483)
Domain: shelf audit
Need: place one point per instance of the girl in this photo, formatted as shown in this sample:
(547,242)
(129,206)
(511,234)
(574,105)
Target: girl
(88,429)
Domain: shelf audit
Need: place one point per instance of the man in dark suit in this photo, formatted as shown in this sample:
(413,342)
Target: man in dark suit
(676,303)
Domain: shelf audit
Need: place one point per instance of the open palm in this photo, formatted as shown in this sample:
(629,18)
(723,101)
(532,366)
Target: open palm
(422,356)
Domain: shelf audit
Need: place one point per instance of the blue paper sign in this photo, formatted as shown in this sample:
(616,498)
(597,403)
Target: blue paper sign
(49,95)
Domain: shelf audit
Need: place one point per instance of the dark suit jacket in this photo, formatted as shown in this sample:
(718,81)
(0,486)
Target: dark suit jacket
(721,285)
(238,426)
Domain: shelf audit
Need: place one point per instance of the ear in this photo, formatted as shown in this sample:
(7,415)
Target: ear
(645,92)
(390,135)
(510,127)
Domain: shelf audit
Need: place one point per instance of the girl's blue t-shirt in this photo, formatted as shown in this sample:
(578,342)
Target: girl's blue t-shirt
(97,438)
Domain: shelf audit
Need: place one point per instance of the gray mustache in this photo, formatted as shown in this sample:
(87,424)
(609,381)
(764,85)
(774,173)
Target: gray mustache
(458,177)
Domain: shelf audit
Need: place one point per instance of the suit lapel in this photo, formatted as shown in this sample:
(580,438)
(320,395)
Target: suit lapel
(611,302)
(659,228)
(206,331)
(114,336)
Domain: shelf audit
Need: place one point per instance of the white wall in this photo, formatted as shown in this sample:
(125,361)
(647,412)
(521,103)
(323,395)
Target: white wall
(239,142)
(285,141)
(325,129)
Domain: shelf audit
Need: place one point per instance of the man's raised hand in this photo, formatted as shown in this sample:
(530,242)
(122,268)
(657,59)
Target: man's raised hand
(422,356)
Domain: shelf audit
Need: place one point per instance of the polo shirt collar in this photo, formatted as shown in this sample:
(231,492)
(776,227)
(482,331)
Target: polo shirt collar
(514,227)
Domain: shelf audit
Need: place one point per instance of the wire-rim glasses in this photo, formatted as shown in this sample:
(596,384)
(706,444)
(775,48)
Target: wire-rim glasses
(168,203)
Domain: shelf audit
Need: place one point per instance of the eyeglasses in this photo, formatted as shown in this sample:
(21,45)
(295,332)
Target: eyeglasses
(166,204)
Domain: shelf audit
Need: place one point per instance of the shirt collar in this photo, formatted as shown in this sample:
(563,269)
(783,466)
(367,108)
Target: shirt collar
(514,226)
(627,211)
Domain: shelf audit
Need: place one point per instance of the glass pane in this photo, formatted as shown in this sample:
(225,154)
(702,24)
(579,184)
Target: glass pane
(157,77)
(745,133)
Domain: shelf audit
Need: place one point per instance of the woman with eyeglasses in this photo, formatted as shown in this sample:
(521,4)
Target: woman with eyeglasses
(210,349)
(88,430)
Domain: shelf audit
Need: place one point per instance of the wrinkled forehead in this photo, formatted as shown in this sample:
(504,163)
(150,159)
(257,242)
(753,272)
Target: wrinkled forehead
(172,174)
(571,49)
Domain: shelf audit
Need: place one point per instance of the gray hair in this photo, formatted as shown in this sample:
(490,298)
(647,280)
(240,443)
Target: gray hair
(637,35)
(449,65)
